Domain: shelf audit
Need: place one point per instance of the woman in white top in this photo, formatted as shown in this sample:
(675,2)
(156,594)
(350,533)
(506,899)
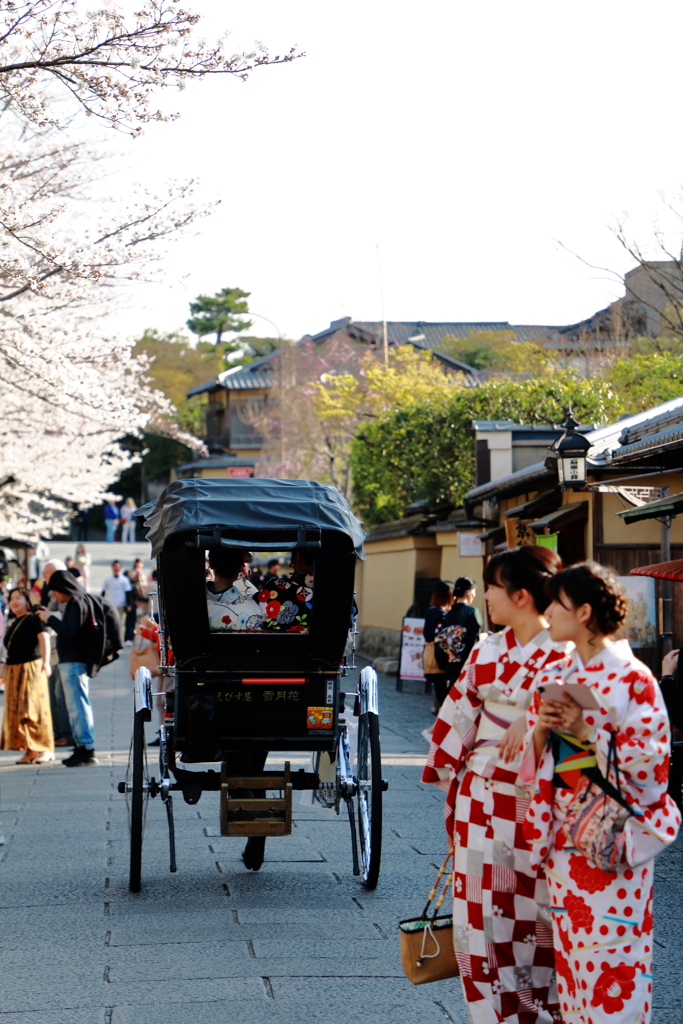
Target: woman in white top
(83,560)
(230,607)
(127,521)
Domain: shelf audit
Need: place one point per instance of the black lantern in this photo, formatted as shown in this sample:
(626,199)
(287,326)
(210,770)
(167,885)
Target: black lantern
(569,453)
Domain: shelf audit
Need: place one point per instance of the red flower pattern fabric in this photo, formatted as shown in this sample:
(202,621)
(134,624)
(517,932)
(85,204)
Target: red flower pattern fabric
(614,988)
(602,921)
(588,878)
(580,914)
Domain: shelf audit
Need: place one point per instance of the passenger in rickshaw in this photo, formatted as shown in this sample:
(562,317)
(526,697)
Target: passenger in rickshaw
(287,601)
(230,607)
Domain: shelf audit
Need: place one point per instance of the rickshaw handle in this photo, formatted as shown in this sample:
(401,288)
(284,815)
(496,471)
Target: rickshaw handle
(143,690)
(368,691)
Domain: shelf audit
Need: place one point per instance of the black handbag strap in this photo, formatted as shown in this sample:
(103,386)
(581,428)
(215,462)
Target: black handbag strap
(603,783)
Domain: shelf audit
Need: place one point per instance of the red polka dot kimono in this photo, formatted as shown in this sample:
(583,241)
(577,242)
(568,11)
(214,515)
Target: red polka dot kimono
(602,922)
(501,913)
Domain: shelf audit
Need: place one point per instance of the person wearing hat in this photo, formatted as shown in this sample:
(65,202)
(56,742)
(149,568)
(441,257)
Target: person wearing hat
(72,651)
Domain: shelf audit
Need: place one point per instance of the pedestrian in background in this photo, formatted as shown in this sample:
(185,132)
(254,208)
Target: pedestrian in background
(72,648)
(458,632)
(83,561)
(119,590)
(501,914)
(602,919)
(73,568)
(32,566)
(27,722)
(61,726)
(128,521)
(111,519)
(439,603)
(138,600)
(82,517)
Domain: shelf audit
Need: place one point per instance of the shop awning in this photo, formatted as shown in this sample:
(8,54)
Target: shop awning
(661,570)
(670,506)
(554,521)
(532,507)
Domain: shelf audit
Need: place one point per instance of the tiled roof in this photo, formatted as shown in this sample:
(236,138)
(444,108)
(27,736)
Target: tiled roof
(430,334)
(257,374)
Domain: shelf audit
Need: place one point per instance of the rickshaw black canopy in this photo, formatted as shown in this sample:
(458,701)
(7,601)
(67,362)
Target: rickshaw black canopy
(248,506)
(192,515)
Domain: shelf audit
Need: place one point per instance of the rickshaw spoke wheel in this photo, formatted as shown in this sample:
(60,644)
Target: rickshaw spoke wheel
(137,795)
(369,775)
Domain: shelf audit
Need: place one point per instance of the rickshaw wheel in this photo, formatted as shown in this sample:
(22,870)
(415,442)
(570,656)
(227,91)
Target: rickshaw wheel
(137,790)
(369,775)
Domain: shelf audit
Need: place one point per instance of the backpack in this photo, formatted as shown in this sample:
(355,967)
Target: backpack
(104,636)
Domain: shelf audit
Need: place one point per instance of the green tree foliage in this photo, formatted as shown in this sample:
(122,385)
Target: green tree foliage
(217,314)
(177,367)
(497,351)
(249,348)
(427,451)
(647,379)
(160,453)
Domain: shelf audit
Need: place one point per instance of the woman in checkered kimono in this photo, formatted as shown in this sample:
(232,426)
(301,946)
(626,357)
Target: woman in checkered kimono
(501,919)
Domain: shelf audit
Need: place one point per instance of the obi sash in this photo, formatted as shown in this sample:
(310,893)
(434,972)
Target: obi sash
(494,721)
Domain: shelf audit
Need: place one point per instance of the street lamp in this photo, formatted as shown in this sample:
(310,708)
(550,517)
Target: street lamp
(569,455)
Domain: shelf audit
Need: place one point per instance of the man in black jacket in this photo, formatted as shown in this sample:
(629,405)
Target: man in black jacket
(72,650)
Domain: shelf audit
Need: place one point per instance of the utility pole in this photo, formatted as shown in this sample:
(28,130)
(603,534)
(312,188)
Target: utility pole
(385,339)
(665,556)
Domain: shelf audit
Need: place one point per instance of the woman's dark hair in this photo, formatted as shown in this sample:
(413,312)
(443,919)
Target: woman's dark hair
(462,585)
(226,561)
(593,584)
(441,594)
(528,567)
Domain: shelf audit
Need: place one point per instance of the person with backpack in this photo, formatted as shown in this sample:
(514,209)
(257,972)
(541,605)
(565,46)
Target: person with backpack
(458,632)
(74,644)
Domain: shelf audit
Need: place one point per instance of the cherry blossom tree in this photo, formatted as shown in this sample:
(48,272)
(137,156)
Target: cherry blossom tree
(325,395)
(68,389)
(112,65)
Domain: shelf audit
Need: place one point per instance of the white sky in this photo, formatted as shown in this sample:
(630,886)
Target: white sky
(467,140)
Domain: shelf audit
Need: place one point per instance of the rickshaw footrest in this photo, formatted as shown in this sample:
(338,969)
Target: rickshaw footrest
(242,813)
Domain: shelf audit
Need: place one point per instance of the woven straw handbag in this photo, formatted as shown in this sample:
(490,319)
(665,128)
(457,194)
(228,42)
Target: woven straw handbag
(427,950)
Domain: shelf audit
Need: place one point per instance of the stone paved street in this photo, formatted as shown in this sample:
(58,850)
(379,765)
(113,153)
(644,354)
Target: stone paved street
(300,940)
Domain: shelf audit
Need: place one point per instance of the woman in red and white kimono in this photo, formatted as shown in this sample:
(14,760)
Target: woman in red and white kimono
(501,917)
(602,921)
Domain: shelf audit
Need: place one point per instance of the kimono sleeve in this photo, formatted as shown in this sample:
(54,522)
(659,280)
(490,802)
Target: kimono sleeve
(454,734)
(643,740)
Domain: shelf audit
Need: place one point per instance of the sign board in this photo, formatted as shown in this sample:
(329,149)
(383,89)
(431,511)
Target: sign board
(469,545)
(240,472)
(412,646)
(640,625)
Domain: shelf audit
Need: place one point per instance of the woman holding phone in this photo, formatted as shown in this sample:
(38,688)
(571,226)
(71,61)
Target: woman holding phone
(501,915)
(602,920)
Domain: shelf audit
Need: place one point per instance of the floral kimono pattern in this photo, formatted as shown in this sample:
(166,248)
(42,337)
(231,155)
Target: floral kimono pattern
(233,610)
(501,915)
(602,922)
(287,603)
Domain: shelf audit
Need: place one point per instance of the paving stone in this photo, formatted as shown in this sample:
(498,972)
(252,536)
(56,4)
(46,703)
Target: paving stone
(302,939)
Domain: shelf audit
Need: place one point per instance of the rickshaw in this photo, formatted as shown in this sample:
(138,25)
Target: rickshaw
(232,695)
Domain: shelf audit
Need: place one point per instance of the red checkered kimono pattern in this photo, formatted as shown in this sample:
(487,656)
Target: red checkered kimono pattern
(501,917)
(602,922)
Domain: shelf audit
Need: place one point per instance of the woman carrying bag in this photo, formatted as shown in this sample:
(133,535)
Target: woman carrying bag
(439,604)
(27,722)
(458,631)
(501,918)
(598,767)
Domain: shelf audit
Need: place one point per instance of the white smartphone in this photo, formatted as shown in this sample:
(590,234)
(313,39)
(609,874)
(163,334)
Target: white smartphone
(583,695)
